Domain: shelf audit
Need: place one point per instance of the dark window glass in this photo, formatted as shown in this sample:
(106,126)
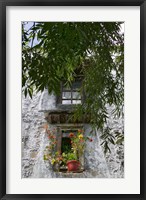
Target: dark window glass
(66,145)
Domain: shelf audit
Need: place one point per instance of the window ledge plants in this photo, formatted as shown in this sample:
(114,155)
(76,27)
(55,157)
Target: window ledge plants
(72,160)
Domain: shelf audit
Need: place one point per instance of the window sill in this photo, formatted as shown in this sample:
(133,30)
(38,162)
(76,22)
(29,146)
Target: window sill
(68,172)
(79,174)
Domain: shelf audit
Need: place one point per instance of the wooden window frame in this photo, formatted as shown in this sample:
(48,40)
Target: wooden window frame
(71,90)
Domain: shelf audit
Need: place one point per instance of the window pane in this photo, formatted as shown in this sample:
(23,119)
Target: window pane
(76,95)
(76,85)
(66,95)
(66,101)
(76,102)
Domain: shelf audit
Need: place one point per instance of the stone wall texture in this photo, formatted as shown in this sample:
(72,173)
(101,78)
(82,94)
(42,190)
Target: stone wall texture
(34,141)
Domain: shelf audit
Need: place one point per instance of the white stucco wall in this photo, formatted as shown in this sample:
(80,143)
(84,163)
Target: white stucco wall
(34,141)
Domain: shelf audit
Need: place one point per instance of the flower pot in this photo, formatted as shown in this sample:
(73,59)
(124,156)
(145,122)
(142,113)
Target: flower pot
(73,165)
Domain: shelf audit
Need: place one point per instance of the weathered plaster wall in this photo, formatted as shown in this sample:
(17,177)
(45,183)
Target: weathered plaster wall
(34,141)
(32,133)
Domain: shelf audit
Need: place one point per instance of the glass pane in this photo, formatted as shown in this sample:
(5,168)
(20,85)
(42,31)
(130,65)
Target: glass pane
(76,85)
(76,95)
(76,102)
(66,95)
(66,101)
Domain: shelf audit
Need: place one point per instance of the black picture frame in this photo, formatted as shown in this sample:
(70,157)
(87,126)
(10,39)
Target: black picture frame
(3,182)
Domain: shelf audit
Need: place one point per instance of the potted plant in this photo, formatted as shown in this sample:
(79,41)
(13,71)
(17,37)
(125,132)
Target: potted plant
(72,162)
(78,143)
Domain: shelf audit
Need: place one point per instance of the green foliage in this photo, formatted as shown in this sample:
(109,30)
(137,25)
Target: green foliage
(108,136)
(69,156)
(96,49)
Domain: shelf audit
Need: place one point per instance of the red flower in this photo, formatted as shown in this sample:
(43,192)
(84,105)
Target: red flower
(90,139)
(71,135)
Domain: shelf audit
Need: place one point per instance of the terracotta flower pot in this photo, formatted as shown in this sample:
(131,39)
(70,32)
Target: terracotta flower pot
(73,165)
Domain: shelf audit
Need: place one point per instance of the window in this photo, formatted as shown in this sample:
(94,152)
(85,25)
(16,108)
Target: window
(64,141)
(71,95)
